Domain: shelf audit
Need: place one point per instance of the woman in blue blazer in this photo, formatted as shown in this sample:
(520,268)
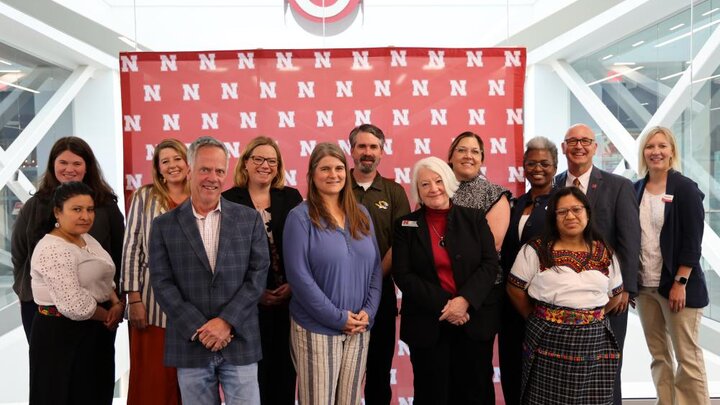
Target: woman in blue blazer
(672,289)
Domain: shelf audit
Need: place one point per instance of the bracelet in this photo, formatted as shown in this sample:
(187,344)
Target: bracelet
(134,302)
(118,303)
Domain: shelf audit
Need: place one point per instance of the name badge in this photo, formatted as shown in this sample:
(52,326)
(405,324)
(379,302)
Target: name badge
(667,198)
(411,224)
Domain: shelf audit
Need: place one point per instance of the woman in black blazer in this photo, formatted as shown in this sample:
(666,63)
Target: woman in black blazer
(260,184)
(527,221)
(445,264)
(672,289)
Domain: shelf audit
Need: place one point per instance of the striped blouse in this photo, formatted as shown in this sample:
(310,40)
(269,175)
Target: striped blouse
(135,275)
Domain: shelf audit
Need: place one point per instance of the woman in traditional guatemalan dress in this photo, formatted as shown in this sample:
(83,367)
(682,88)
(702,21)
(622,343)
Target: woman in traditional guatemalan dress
(563,283)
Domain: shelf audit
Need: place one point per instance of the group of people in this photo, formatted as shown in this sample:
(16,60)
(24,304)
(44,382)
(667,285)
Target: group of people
(254,294)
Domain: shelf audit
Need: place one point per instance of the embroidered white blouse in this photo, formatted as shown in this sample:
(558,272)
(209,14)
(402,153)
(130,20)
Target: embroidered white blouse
(576,281)
(72,278)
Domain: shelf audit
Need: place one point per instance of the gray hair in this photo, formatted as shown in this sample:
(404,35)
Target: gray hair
(438,166)
(203,142)
(370,129)
(542,143)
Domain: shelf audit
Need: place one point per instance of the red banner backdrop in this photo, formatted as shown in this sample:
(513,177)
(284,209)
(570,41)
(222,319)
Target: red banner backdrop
(421,98)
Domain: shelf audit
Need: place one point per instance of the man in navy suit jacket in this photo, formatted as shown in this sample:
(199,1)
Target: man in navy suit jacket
(615,216)
(208,266)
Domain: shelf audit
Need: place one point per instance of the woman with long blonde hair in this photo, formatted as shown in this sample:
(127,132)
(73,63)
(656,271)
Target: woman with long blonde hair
(150,380)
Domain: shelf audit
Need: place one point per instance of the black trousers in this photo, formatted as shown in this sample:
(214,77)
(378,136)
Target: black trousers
(71,362)
(456,370)
(380,354)
(28,310)
(510,342)
(618,325)
(276,373)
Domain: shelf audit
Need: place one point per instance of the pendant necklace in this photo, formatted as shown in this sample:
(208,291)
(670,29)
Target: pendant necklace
(441,242)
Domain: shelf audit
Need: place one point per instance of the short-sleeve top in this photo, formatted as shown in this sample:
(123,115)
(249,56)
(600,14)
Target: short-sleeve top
(479,193)
(71,278)
(578,280)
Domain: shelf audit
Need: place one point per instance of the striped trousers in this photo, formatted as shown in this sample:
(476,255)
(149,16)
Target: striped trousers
(330,369)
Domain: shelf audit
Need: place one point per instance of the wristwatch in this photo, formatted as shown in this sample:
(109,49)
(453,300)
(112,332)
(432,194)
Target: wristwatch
(682,280)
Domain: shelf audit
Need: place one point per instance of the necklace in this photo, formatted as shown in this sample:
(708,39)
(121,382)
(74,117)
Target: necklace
(441,242)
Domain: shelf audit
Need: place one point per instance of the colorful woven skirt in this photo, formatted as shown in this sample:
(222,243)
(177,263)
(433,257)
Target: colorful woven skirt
(569,357)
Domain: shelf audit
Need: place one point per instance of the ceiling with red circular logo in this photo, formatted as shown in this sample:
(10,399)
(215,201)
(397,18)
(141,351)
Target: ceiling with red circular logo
(324,10)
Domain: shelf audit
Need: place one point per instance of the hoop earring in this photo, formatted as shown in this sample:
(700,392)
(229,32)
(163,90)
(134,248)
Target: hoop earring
(57,225)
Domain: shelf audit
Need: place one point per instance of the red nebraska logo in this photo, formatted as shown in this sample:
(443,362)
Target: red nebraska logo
(324,10)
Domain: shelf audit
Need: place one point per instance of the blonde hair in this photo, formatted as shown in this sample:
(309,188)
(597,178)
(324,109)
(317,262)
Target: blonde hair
(158,188)
(645,138)
(438,166)
(240,177)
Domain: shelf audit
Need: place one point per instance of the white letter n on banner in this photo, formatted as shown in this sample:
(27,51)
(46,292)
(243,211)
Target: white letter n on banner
(132,123)
(324,118)
(514,116)
(306,147)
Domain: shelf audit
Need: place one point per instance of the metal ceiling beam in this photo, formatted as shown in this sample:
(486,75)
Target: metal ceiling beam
(610,126)
(43,121)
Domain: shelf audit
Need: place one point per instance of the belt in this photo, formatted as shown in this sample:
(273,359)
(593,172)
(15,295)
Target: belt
(49,310)
(569,316)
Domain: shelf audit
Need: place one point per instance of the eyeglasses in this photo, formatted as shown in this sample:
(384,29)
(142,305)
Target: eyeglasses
(545,164)
(464,151)
(583,141)
(576,211)
(259,160)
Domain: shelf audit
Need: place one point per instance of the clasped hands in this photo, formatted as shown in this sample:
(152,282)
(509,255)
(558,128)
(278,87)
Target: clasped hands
(215,334)
(455,311)
(114,316)
(356,323)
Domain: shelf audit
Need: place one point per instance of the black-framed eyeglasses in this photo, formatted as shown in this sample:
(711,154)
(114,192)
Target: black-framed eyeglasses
(531,164)
(259,160)
(576,211)
(583,141)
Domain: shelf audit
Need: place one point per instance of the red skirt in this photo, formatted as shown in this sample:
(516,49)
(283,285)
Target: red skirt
(150,381)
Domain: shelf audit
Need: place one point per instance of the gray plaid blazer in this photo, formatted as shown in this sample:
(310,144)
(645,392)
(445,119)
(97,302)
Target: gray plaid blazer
(191,294)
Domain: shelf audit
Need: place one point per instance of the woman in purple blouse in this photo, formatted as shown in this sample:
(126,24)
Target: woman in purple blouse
(333,266)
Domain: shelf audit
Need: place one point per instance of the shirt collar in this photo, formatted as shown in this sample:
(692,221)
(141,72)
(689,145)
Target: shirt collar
(377,182)
(584,178)
(198,216)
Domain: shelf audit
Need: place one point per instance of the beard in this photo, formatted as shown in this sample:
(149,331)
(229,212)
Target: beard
(367,166)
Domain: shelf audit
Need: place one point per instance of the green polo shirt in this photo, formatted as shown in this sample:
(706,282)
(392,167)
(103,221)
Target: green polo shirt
(386,201)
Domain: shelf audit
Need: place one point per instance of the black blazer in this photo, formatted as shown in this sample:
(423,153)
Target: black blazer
(533,228)
(471,247)
(681,236)
(616,216)
(282,200)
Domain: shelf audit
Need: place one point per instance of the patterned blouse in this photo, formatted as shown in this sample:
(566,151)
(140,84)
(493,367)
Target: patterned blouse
(479,193)
(578,280)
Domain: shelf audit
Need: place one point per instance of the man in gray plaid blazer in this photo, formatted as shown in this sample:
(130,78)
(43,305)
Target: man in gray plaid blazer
(208,267)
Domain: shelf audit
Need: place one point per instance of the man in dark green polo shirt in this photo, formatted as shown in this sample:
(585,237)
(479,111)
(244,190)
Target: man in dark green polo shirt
(386,201)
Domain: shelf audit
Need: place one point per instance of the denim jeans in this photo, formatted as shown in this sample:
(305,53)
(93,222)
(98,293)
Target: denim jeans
(199,386)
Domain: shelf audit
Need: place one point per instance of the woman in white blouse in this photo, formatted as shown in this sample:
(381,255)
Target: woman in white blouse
(72,343)
(563,283)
